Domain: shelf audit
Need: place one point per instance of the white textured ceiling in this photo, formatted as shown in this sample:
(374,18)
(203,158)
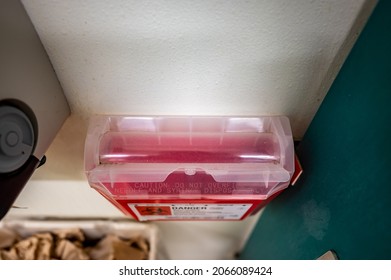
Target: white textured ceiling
(191,57)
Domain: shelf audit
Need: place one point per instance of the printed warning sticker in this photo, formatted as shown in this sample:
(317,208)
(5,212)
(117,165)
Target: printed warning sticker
(154,210)
(189,211)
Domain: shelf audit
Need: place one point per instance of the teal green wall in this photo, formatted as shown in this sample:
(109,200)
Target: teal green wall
(343,200)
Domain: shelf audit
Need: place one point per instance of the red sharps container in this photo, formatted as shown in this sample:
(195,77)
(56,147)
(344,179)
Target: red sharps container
(189,168)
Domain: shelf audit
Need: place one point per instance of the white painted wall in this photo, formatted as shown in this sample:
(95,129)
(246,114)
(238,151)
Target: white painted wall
(205,57)
(179,57)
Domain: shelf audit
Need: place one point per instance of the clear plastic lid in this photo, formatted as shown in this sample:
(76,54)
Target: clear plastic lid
(253,154)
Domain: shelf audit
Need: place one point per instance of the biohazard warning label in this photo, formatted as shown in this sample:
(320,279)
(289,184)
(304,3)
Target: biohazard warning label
(188,211)
(154,210)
